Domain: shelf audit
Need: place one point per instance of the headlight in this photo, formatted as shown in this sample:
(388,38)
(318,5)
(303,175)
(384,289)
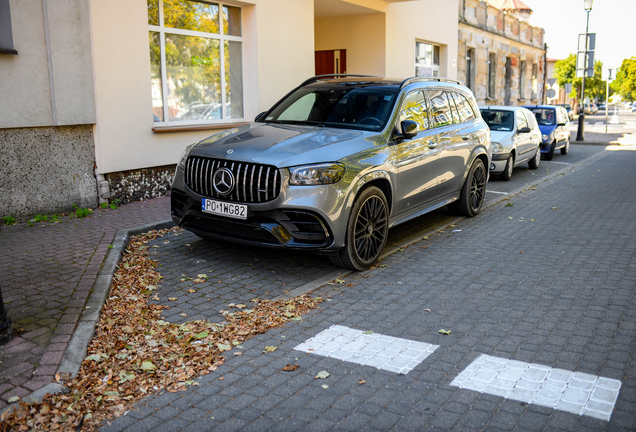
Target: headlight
(496,147)
(184,156)
(319,174)
(544,137)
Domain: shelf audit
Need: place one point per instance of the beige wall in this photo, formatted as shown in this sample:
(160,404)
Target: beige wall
(362,36)
(50,81)
(426,21)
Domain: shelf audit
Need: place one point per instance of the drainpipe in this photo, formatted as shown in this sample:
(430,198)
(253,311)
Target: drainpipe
(545,70)
(6,332)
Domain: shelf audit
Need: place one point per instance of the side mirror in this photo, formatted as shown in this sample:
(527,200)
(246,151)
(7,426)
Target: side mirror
(260,116)
(561,124)
(409,129)
(524,130)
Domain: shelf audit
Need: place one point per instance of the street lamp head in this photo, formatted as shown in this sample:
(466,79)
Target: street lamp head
(587,4)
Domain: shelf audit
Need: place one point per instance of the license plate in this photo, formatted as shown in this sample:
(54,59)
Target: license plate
(237,211)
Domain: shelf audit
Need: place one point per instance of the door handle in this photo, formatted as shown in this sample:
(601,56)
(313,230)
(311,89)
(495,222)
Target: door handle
(432,144)
(465,137)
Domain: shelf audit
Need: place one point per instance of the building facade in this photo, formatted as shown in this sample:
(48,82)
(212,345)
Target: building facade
(501,57)
(100,97)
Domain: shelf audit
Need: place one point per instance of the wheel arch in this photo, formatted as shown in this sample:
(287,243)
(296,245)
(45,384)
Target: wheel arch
(478,153)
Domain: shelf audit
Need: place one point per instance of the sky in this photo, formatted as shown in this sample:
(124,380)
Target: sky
(611,20)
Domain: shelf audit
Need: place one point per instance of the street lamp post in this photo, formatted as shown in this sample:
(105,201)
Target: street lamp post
(6,332)
(580,133)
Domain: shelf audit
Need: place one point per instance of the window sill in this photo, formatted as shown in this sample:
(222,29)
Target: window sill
(8,51)
(196,127)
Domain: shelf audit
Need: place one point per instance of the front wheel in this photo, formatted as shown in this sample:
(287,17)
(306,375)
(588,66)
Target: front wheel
(367,231)
(536,160)
(549,155)
(507,172)
(565,149)
(473,193)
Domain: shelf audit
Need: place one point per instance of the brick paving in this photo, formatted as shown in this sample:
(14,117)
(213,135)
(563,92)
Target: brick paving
(46,272)
(546,280)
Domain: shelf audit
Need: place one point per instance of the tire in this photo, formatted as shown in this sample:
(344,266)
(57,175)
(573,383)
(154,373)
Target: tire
(367,231)
(536,160)
(506,175)
(473,193)
(566,148)
(550,154)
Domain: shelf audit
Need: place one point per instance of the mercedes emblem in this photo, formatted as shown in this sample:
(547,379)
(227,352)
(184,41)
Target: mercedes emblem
(223,181)
(230,151)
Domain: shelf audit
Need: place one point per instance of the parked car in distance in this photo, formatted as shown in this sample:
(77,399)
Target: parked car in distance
(336,163)
(554,125)
(633,108)
(515,139)
(569,110)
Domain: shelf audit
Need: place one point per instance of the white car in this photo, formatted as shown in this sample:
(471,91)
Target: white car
(515,139)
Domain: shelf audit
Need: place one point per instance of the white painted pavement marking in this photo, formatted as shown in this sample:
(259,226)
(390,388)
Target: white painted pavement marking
(562,163)
(573,392)
(383,352)
(503,193)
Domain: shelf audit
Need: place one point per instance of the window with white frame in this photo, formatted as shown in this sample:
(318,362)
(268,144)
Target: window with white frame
(196,61)
(492,74)
(426,59)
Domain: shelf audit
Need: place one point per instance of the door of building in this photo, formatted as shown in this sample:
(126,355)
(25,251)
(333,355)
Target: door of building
(331,62)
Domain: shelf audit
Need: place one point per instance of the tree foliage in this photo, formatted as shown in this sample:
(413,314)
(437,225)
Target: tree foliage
(565,71)
(625,82)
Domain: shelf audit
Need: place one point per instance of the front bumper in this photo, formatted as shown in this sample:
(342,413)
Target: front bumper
(498,163)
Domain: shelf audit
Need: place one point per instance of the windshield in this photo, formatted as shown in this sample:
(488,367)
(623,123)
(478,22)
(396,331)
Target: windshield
(337,105)
(545,117)
(499,120)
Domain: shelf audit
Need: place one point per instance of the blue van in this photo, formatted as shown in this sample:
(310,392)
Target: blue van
(555,129)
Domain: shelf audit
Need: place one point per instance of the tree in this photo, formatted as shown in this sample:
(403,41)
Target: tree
(625,82)
(565,71)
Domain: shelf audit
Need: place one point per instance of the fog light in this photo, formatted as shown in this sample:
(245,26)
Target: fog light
(492,166)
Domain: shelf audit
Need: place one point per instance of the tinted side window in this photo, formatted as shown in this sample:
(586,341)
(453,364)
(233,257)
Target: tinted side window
(441,112)
(521,120)
(463,107)
(451,104)
(414,108)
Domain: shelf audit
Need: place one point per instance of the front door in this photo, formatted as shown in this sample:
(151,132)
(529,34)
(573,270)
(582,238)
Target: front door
(331,62)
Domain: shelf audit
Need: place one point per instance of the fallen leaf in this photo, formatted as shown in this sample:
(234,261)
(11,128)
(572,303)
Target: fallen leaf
(509,205)
(446,332)
(509,217)
(427,310)
(238,353)
(325,386)
(192,290)
(147,365)
(554,208)
(361,382)
(270,348)
(172,298)
(290,368)
(202,275)
(367,332)
(14,399)
(322,375)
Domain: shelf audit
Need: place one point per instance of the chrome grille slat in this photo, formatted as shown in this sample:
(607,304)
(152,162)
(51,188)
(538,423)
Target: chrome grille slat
(258,186)
(248,179)
(267,184)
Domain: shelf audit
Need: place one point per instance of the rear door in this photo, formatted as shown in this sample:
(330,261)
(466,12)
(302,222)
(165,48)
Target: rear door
(525,145)
(454,135)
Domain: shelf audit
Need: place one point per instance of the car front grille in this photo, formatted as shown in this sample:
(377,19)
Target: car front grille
(253,183)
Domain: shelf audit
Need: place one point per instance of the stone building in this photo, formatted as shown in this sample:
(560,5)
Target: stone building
(501,57)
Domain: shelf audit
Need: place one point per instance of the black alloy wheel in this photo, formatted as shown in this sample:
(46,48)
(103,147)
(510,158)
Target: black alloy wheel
(478,187)
(367,231)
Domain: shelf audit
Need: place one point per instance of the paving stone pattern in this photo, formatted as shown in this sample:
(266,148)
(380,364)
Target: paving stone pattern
(367,348)
(527,282)
(46,272)
(574,392)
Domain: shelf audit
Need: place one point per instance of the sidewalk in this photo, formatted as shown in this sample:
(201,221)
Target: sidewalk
(46,273)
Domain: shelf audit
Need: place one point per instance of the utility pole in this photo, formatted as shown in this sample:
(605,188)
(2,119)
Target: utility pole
(580,133)
(609,77)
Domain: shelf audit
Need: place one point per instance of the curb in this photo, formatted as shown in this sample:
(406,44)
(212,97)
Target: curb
(77,347)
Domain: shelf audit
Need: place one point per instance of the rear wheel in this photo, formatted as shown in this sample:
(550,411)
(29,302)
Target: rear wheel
(549,155)
(367,231)
(507,172)
(536,160)
(473,193)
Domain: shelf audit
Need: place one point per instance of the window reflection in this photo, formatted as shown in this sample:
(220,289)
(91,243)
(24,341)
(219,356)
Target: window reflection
(191,15)
(155,77)
(414,108)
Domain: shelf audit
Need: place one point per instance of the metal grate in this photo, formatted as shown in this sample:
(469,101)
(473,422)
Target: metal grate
(253,183)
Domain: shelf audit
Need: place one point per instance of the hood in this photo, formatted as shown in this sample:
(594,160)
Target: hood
(285,145)
(547,129)
(502,137)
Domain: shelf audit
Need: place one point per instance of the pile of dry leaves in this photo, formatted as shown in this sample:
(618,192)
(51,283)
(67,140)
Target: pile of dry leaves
(134,352)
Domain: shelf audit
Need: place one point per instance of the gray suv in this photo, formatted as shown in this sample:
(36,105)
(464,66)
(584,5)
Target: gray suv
(335,164)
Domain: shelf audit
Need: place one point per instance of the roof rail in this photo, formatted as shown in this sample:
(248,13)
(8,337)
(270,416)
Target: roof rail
(418,79)
(319,77)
